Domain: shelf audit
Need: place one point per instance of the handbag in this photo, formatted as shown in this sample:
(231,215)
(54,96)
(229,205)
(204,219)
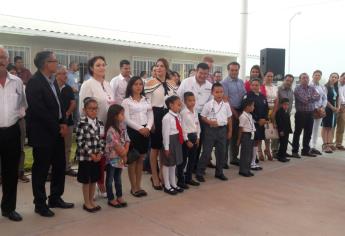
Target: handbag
(271,132)
(132,155)
(319,113)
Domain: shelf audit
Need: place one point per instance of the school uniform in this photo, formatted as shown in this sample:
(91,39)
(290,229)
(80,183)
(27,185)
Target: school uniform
(284,125)
(89,142)
(247,141)
(191,132)
(214,136)
(138,115)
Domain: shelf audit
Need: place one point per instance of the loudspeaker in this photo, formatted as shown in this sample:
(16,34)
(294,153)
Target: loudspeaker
(273,59)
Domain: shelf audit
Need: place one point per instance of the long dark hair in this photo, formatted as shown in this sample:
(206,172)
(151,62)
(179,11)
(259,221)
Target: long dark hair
(113,112)
(131,82)
(92,62)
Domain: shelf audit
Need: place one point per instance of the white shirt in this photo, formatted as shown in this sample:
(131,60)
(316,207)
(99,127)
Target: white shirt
(341,92)
(190,123)
(138,114)
(101,92)
(271,94)
(247,122)
(119,86)
(12,100)
(156,94)
(169,127)
(217,111)
(322,102)
(202,92)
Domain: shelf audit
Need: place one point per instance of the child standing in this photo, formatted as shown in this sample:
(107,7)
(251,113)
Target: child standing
(246,137)
(191,135)
(284,129)
(90,147)
(116,149)
(172,141)
(216,114)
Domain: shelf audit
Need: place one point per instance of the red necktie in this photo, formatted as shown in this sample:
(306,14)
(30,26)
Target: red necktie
(179,128)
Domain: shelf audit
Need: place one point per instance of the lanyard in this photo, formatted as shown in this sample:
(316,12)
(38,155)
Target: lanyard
(250,120)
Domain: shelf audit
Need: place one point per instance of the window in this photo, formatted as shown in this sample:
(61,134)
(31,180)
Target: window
(142,64)
(217,68)
(24,52)
(183,67)
(65,57)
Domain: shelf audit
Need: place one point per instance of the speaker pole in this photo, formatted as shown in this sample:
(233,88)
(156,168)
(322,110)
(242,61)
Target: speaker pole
(243,39)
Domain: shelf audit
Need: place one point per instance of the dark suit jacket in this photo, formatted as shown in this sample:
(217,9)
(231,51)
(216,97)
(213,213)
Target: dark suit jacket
(43,123)
(283,121)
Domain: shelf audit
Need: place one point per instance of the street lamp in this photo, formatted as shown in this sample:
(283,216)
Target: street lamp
(290,21)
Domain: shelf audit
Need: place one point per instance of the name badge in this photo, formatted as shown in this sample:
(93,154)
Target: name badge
(252,135)
(101,131)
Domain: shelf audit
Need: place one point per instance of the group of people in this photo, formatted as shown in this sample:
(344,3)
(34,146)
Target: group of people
(173,125)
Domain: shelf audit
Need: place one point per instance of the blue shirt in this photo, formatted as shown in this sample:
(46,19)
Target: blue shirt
(72,80)
(234,90)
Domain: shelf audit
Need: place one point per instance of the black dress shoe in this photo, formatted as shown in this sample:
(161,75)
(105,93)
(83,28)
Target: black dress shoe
(235,163)
(44,211)
(245,174)
(170,191)
(315,151)
(295,155)
(288,155)
(256,168)
(60,204)
(308,154)
(221,177)
(226,167)
(283,159)
(13,215)
(178,189)
(200,178)
(183,185)
(193,183)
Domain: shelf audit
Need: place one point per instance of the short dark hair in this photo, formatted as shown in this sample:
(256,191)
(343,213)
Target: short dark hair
(16,58)
(284,100)
(124,62)
(289,75)
(143,73)
(92,62)
(11,67)
(89,100)
(217,71)
(131,82)
(202,66)
(190,71)
(215,85)
(234,63)
(170,100)
(246,102)
(317,71)
(187,95)
(41,58)
(255,80)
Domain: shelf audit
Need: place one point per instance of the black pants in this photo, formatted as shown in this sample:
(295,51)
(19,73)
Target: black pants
(202,132)
(283,144)
(44,157)
(9,157)
(231,145)
(189,154)
(247,145)
(303,121)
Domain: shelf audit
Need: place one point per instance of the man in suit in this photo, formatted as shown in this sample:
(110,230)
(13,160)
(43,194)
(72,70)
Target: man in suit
(47,127)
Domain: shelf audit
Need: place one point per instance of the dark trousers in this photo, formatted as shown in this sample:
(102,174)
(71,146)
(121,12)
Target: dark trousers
(9,158)
(189,154)
(283,144)
(247,145)
(113,174)
(44,157)
(232,149)
(214,137)
(303,121)
(202,133)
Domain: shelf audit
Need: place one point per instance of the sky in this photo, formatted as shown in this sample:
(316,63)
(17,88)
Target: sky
(317,34)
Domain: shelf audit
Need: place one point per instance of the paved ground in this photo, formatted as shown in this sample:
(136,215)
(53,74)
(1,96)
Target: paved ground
(303,197)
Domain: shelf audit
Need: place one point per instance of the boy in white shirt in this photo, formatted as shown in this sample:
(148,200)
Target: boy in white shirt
(216,114)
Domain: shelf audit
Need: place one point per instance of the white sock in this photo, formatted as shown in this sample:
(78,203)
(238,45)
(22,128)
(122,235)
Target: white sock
(255,150)
(165,172)
(172,176)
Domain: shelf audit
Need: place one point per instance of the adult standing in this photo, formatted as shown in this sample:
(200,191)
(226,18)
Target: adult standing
(209,61)
(69,105)
(73,80)
(156,90)
(329,121)
(319,108)
(119,83)
(233,93)
(98,88)
(305,97)
(201,88)
(22,72)
(12,100)
(46,124)
(341,114)
(217,75)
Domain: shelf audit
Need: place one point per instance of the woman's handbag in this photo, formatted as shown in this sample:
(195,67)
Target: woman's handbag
(271,132)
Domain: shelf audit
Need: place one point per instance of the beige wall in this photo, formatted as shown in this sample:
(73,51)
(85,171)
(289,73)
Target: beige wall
(112,53)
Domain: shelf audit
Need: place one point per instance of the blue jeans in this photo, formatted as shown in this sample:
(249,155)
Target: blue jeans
(113,174)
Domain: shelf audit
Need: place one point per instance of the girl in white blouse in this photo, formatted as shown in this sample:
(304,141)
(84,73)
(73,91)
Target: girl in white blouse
(139,120)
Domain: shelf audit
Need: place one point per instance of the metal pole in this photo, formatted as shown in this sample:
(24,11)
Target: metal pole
(243,39)
(290,21)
